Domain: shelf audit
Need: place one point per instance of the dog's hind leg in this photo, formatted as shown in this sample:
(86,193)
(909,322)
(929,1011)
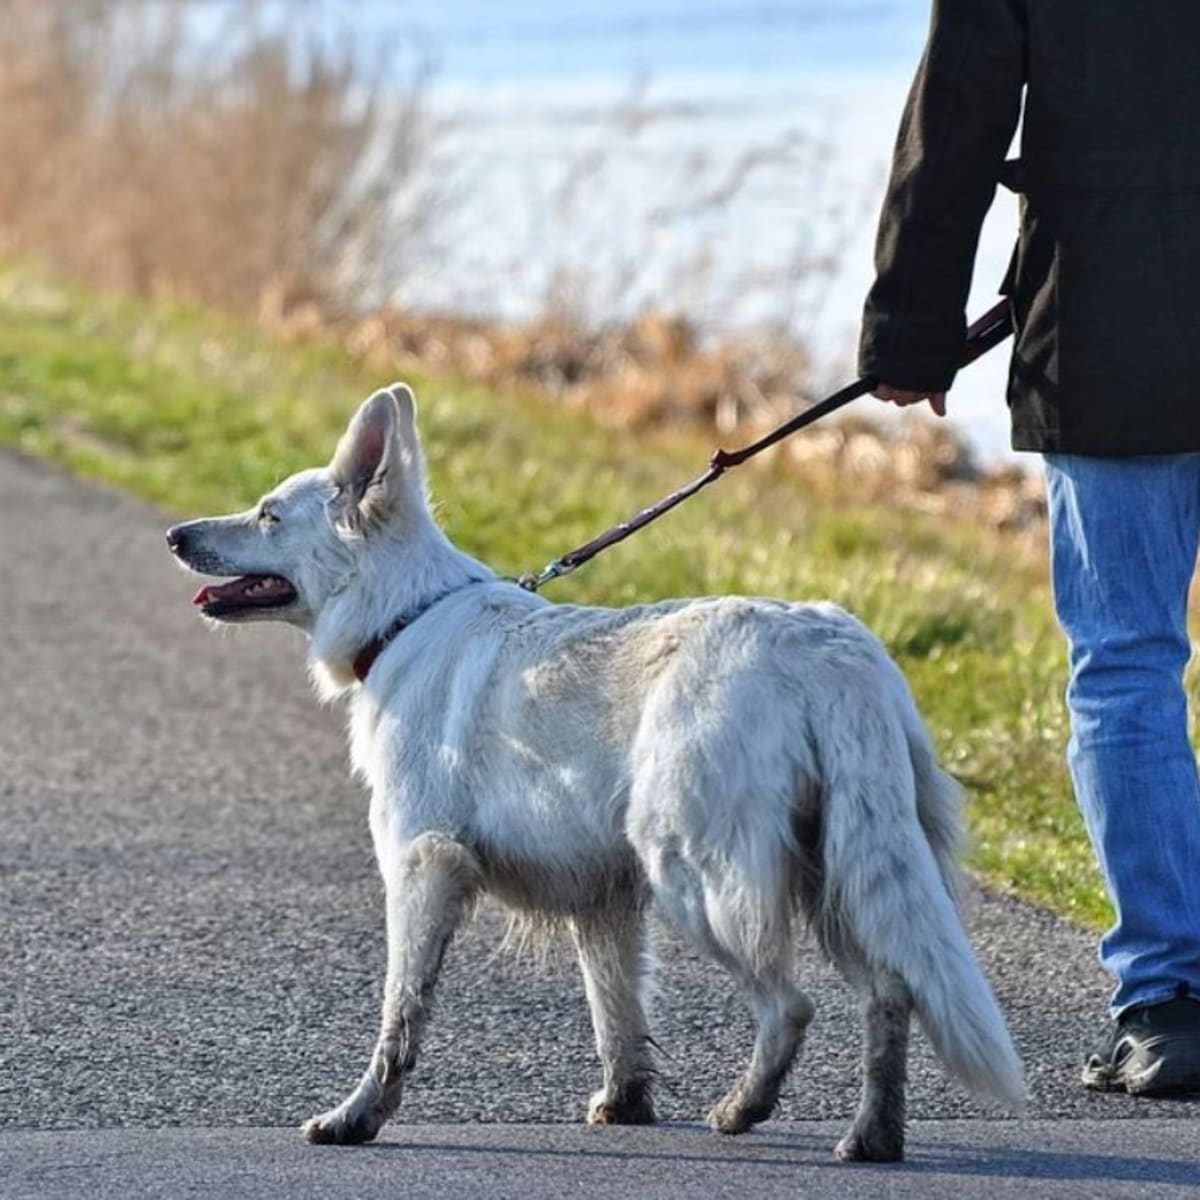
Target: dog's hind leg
(782,1013)
(429,883)
(877,1134)
(747,929)
(613,954)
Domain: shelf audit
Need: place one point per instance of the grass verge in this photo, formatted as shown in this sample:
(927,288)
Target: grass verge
(202,414)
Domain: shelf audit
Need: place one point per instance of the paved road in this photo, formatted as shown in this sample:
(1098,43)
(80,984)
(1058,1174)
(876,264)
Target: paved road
(193,925)
(949,1160)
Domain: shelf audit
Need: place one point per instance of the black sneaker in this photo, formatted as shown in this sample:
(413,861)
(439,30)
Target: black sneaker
(1152,1050)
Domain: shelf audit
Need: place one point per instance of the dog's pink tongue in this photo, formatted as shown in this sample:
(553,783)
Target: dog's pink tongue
(249,589)
(219,591)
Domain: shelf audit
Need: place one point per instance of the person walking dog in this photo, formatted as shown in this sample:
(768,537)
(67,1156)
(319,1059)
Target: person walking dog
(1105,384)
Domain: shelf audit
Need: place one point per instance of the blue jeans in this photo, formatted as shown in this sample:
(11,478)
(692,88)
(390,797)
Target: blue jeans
(1123,540)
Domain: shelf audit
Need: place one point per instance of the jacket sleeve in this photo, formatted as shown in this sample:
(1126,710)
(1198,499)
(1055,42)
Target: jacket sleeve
(956,129)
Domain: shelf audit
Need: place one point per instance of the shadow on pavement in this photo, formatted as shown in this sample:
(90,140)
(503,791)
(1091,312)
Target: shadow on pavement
(811,1151)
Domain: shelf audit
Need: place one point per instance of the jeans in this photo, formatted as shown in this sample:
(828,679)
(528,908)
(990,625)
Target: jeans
(1123,539)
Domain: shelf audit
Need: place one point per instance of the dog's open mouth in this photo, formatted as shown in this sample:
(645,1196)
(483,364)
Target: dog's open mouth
(243,595)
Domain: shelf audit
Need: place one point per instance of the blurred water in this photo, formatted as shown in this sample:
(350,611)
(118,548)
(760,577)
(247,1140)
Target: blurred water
(484,41)
(531,86)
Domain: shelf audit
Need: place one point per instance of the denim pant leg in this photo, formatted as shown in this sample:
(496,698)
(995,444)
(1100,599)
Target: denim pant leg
(1123,536)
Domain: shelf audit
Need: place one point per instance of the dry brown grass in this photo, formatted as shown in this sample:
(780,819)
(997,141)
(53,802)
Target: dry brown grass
(251,167)
(650,373)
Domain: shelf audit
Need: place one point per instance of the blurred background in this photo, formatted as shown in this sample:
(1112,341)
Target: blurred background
(661,211)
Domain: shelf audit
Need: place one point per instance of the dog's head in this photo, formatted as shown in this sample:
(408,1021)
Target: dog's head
(308,540)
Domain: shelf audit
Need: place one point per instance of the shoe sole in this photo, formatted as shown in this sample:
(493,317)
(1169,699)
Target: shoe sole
(1158,1081)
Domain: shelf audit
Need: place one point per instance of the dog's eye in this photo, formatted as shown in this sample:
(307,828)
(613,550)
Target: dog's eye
(267,517)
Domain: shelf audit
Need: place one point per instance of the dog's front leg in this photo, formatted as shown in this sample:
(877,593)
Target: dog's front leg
(612,953)
(429,883)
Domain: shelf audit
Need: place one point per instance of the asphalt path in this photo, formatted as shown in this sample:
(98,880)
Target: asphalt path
(193,937)
(948,1160)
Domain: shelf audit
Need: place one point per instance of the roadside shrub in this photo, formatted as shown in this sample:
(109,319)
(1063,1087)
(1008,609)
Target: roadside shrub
(208,152)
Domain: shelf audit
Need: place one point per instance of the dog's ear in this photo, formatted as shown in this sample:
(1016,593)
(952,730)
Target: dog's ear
(378,466)
(411,454)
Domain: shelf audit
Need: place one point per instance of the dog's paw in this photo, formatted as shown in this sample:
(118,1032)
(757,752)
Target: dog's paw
(739,1112)
(348,1125)
(870,1146)
(365,1111)
(730,1116)
(631,1107)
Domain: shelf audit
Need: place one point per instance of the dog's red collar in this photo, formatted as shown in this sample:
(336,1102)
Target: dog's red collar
(364,660)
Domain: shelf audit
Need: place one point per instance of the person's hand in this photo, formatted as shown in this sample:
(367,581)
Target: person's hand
(903,397)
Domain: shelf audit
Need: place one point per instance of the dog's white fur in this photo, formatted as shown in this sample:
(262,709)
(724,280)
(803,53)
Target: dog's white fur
(740,763)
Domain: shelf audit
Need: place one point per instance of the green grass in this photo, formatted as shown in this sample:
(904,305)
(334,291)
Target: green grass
(203,414)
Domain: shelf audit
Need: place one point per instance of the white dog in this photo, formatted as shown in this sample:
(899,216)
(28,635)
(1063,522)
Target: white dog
(740,763)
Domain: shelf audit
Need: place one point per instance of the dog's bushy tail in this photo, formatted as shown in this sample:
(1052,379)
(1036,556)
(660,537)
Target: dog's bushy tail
(891,887)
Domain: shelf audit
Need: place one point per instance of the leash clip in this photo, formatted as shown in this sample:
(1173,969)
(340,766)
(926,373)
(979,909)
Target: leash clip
(555,570)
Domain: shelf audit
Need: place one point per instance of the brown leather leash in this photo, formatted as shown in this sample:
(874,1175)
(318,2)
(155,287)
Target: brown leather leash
(989,331)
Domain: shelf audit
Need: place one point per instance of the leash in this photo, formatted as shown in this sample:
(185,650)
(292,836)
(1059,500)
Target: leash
(988,332)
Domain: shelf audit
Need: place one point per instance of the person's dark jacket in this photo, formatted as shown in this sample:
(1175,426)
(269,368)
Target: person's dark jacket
(1105,283)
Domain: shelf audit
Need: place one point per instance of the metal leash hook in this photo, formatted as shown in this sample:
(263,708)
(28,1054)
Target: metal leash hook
(555,570)
(989,331)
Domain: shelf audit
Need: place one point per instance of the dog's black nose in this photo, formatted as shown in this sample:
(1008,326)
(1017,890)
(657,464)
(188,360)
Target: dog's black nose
(176,537)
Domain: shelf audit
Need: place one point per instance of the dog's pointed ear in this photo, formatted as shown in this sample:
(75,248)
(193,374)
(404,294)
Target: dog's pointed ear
(378,466)
(412,456)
